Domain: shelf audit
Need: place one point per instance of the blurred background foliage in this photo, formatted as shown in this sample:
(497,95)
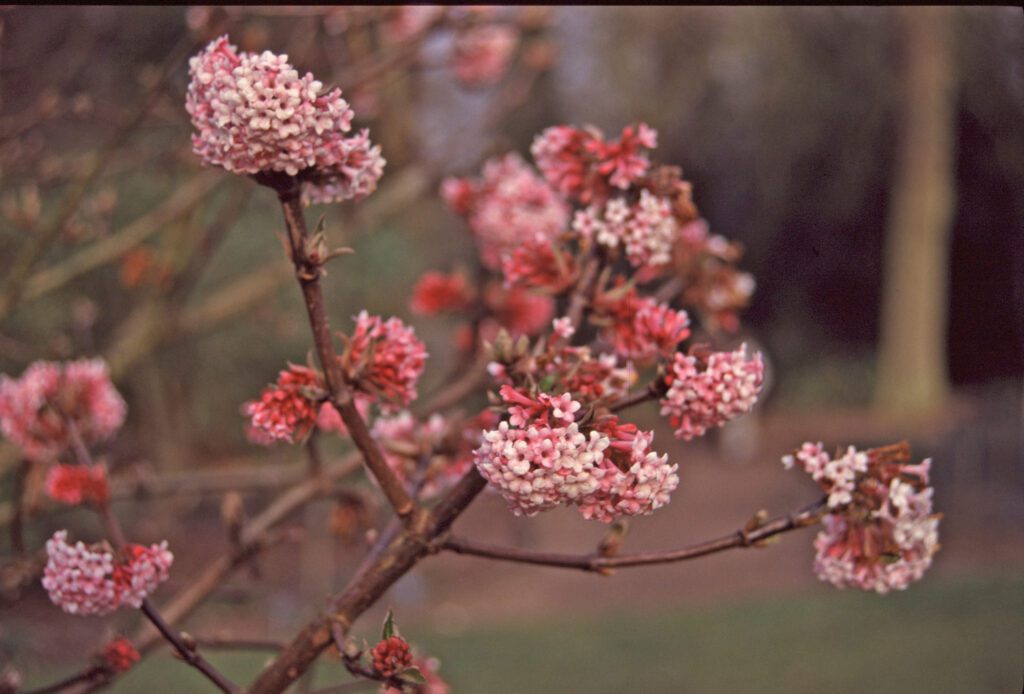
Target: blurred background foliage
(791,124)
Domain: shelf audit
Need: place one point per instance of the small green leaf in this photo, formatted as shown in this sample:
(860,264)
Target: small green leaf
(413,675)
(389,627)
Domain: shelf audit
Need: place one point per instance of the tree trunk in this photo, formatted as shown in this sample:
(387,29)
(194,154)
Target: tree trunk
(912,368)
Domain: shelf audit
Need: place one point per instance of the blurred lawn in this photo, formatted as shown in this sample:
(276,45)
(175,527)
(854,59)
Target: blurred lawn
(964,637)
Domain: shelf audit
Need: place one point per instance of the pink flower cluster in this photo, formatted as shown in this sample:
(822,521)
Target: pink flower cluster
(33,408)
(517,310)
(254,113)
(119,655)
(508,204)
(384,359)
(391,656)
(647,231)
(539,263)
(700,399)
(483,53)
(76,484)
(289,408)
(582,165)
(87,580)
(436,292)
(540,459)
(881,532)
(641,328)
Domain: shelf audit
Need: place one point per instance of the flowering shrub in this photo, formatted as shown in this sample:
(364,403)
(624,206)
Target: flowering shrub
(598,234)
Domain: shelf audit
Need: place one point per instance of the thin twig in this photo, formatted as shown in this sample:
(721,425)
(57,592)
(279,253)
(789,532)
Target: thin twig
(113,527)
(596,563)
(308,274)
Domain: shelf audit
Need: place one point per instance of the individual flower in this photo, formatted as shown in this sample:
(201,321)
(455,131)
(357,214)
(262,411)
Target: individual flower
(483,53)
(119,655)
(384,359)
(509,203)
(646,231)
(641,328)
(254,114)
(288,409)
(35,407)
(436,292)
(580,164)
(91,579)
(76,484)
(701,397)
(391,656)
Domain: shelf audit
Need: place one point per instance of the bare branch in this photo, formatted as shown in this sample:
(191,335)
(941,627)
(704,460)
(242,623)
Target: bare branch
(308,274)
(595,563)
(809,515)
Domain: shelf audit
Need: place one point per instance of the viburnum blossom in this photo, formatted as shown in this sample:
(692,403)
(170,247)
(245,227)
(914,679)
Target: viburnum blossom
(75,484)
(539,263)
(254,113)
(640,482)
(540,459)
(880,533)
(33,408)
(443,467)
(91,579)
(384,359)
(519,311)
(289,408)
(509,203)
(700,398)
(641,328)
(483,53)
(391,656)
(436,292)
(583,166)
(119,655)
(646,231)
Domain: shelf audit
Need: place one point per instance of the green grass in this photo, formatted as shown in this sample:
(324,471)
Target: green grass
(966,637)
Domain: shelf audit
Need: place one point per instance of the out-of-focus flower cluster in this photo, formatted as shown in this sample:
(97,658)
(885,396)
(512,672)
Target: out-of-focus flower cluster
(119,655)
(880,532)
(255,114)
(428,457)
(706,394)
(507,205)
(35,407)
(77,484)
(582,165)
(92,579)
